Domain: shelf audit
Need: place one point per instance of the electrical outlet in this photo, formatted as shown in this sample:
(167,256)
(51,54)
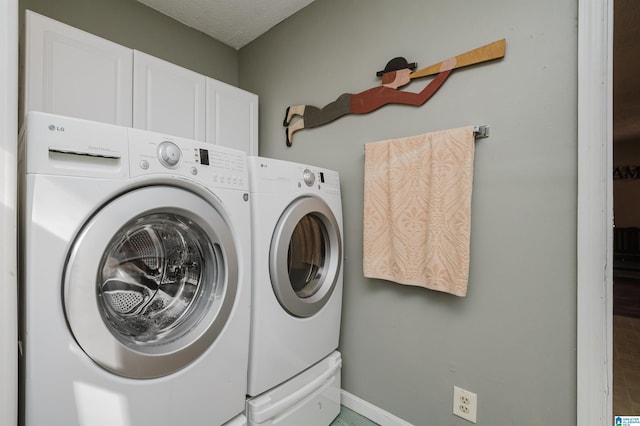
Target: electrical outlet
(465,404)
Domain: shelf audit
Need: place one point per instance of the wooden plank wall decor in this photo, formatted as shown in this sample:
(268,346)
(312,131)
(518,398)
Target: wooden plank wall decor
(396,74)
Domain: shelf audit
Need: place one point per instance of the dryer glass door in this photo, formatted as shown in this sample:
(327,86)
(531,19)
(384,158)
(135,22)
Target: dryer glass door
(305,256)
(151,281)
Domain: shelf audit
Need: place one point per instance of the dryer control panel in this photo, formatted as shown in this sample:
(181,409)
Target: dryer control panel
(269,175)
(323,180)
(212,165)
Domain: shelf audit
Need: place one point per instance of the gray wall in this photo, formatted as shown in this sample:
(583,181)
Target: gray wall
(134,25)
(512,340)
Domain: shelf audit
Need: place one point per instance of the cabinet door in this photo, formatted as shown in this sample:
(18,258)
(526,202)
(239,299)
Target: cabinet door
(168,98)
(232,117)
(71,72)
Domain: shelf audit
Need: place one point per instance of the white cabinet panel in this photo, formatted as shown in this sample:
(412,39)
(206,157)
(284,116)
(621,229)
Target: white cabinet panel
(232,117)
(168,98)
(71,72)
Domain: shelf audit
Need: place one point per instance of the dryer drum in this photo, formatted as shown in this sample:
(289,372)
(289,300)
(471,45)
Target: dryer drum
(306,256)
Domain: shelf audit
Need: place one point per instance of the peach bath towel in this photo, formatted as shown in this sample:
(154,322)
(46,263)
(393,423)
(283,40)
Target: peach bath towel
(417,210)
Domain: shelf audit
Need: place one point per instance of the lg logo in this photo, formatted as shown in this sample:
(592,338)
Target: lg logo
(56,128)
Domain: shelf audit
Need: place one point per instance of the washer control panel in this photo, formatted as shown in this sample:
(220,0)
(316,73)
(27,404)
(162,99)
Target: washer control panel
(211,165)
(169,154)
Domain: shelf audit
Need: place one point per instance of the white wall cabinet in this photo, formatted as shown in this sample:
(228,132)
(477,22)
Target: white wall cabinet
(232,117)
(71,72)
(168,98)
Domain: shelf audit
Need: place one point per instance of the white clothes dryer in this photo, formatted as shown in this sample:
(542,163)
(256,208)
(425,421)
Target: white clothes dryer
(297,269)
(135,276)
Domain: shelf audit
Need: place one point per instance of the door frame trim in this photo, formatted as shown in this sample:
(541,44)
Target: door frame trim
(595,213)
(8,218)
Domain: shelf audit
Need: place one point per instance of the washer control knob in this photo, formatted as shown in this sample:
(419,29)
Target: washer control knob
(169,154)
(308,177)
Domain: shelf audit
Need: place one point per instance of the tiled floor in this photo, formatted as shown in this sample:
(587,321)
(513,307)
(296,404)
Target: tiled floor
(626,366)
(351,418)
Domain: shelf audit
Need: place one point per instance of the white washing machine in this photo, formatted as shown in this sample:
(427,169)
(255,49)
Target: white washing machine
(135,277)
(297,269)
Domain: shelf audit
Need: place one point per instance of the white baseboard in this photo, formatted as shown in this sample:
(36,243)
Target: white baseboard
(370,411)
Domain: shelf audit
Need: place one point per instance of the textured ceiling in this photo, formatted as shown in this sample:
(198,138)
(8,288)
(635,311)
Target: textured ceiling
(233,22)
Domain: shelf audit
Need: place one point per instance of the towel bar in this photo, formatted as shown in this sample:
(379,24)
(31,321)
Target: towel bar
(480,131)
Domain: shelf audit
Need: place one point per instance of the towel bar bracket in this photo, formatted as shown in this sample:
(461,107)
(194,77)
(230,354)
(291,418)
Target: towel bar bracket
(481,132)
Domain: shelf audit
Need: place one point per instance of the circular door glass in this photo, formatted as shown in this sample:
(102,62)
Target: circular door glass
(151,281)
(152,278)
(306,256)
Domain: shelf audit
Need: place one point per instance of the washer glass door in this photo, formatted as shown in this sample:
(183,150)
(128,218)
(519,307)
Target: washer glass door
(150,281)
(305,256)
(152,277)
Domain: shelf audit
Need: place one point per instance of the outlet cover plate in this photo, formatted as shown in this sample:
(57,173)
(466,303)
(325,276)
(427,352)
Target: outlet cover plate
(465,404)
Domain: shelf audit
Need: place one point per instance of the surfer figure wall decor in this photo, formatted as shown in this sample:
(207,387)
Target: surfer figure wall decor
(396,74)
